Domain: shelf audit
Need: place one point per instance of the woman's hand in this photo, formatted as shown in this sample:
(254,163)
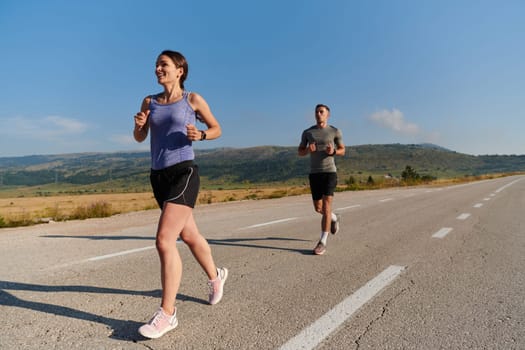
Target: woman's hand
(193,133)
(141,118)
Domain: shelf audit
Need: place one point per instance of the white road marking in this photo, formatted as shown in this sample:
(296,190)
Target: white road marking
(102,257)
(442,232)
(386,199)
(486,199)
(268,223)
(314,334)
(463,216)
(507,185)
(350,207)
(478,205)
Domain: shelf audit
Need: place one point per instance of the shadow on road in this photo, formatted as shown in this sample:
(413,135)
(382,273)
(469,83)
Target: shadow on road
(121,329)
(240,242)
(234,242)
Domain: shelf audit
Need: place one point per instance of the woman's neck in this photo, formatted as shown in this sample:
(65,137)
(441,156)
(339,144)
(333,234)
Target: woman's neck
(171,94)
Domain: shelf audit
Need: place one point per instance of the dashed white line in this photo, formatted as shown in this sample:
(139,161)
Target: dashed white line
(269,223)
(478,205)
(463,216)
(102,257)
(486,199)
(386,199)
(350,207)
(314,334)
(442,232)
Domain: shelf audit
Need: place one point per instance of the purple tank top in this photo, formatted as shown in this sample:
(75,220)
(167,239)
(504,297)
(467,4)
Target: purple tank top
(168,141)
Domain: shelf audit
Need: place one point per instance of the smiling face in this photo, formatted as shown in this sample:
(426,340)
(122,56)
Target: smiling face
(166,71)
(171,68)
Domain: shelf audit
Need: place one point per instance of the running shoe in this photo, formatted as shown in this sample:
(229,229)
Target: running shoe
(334,226)
(160,324)
(320,248)
(217,285)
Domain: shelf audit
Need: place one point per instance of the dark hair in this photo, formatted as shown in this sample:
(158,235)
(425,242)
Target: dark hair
(322,105)
(180,62)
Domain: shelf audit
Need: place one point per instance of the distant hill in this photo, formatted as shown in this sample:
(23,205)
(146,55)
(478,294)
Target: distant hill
(254,165)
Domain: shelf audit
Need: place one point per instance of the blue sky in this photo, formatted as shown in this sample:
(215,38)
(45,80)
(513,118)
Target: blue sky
(452,73)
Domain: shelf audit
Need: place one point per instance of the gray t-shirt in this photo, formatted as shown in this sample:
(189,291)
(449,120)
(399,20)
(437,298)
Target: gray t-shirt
(320,161)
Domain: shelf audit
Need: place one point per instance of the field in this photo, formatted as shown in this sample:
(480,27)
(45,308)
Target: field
(24,207)
(28,210)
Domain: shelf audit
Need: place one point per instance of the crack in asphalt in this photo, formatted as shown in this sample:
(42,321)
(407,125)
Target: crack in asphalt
(383,312)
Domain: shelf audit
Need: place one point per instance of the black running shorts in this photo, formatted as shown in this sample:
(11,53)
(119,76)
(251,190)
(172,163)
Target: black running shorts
(177,184)
(322,184)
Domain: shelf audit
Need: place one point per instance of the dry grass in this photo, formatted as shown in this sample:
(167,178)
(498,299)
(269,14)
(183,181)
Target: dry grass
(28,210)
(61,207)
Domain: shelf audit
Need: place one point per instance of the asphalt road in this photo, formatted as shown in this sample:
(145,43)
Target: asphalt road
(415,268)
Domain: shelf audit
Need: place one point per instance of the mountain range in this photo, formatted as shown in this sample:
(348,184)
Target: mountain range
(254,165)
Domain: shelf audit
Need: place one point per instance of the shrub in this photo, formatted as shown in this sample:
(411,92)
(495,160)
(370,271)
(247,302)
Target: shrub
(94,210)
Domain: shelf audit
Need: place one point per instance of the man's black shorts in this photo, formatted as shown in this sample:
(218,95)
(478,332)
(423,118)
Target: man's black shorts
(177,184)
(322,184)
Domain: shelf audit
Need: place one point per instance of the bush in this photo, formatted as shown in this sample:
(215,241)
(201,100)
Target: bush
(350,181)
(94,210)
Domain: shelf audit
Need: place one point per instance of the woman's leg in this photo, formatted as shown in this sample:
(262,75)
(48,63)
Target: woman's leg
(202,253)
(171,223)
(199,247)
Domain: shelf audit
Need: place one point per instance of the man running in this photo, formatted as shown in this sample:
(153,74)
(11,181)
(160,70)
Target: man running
(323,142)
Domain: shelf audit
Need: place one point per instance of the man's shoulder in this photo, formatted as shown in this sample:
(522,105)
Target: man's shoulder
(313,127)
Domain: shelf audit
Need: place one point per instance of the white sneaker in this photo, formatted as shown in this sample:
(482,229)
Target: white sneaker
(334,226)
(160,324)
(217,285)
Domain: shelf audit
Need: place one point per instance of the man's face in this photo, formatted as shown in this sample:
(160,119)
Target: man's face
(321,115)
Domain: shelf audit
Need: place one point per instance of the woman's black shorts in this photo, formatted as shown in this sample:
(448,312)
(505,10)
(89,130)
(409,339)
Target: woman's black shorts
(177,184)
(322,184)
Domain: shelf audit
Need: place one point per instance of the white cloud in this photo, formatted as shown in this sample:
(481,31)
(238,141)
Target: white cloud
(45,128)
(65,125)
(394,120)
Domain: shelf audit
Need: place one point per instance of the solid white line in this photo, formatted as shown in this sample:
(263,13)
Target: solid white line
(268,223)
(350,207)
(314,334)
(442,232)
(102,257)
(478,205)
(507,185)
(463,216)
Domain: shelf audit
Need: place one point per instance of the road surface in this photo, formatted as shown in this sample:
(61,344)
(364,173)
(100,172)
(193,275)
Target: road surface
(412,268)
